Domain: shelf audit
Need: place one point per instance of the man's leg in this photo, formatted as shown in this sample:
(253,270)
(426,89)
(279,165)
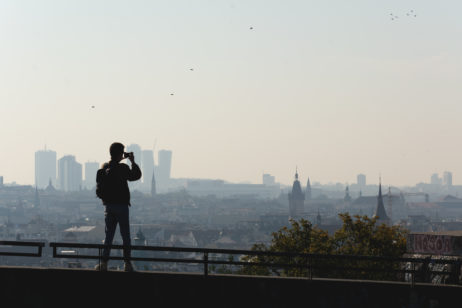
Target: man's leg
(124,225)
(111,225)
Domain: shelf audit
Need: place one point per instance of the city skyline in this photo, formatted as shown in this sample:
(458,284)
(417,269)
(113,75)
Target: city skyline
(47,164)
(236,89)
(60,172)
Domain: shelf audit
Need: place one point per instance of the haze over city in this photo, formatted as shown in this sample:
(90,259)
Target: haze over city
(236,88)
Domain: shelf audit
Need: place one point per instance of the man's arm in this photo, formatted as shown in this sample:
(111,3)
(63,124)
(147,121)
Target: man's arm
(135,172)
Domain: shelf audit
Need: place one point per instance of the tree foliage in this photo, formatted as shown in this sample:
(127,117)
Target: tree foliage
(359,235)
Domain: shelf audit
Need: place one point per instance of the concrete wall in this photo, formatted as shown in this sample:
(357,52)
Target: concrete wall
(34,287)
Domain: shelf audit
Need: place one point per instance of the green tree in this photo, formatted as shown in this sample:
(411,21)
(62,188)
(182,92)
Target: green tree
(359,235)
(301,237)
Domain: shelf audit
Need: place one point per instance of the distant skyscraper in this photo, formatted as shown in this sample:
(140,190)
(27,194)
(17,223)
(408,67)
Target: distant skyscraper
(296,199)
(447,178)
(268,179)
(1,181)
(45,168)
(164,167)
(361,180)
(147,165)
(435,179)
(136,149)
(69,174)
(90,174)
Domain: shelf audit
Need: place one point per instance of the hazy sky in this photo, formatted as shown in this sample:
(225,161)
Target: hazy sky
(335,87)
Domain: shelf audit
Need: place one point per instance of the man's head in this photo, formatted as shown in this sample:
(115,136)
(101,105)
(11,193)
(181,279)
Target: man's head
(117,151)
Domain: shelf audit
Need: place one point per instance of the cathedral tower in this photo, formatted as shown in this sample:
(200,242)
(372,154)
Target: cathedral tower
(296,199)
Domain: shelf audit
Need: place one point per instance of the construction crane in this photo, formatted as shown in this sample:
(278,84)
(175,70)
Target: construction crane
(402,194)
(390,213)
(425,195)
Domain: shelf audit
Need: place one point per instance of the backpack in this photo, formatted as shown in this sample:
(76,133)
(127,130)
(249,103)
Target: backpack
(106,182)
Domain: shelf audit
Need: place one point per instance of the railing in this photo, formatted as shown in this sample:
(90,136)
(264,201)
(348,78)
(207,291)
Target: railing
(311,265)
(308,265)
(38,245)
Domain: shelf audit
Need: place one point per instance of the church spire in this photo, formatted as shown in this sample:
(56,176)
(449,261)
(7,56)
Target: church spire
(153,185)
(308,190)
(380,210)
(36,198)
(347,197)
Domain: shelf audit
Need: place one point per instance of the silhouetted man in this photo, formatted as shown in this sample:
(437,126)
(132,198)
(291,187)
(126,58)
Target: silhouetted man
(112,188)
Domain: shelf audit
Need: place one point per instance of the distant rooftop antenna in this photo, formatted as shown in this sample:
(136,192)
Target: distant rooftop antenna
(154,151)
(389,204)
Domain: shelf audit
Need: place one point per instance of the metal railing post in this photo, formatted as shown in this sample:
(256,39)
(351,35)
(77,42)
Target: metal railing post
(455,269)
(413,275)
(310,268)
(99,256)
(206,264)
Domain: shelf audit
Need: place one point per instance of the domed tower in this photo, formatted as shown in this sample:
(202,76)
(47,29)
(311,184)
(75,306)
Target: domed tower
(296,199)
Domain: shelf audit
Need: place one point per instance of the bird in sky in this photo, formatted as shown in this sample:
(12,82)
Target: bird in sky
(393,16)
(411,13)
(251,28)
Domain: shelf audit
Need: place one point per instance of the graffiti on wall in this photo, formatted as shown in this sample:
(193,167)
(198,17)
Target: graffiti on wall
(431,244)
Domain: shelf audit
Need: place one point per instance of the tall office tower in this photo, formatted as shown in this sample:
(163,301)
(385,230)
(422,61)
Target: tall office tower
(447,178)
(147,165)
(361,180)
(45,168)
(136,149)
(164,168)
(435,179)
(90,174)
(268,179)
(1,181)
(69,174)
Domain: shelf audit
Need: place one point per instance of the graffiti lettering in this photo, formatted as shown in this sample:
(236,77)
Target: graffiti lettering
(432,244)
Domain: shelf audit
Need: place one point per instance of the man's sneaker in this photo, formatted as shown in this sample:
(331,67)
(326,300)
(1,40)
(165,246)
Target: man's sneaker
(102,266)
(128,267)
